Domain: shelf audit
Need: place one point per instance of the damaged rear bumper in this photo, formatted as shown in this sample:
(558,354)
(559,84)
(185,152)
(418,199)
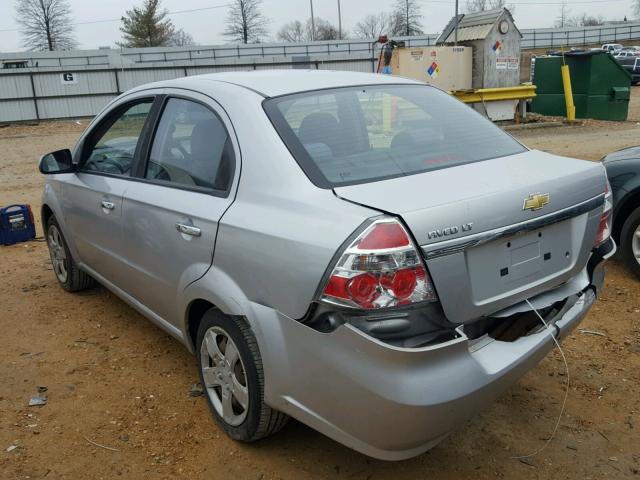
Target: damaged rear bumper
(394,403)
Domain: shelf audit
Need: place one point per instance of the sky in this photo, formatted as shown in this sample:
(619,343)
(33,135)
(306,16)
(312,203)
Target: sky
(206,26)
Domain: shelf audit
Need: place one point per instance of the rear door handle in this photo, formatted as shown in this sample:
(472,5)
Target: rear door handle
(188,229)
(108,205)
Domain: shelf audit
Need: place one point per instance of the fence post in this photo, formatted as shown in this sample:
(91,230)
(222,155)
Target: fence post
(552,39)
(33,92)
(115,72)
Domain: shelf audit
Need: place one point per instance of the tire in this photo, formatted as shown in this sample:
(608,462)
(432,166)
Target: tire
(223,374)
(69,276)
(629,241)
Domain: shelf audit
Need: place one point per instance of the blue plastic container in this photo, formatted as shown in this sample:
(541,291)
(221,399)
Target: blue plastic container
(16,224)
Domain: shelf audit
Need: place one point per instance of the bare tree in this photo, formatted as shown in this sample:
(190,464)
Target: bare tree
(146,26)
(45,24)
(474,6)
(563,18)
(477,6)
(293,31)
(324,30)
(180,38)
(245,22)
(582,20)
(296,31)
(635,5)
(372,26)
(406,18)
(586,20)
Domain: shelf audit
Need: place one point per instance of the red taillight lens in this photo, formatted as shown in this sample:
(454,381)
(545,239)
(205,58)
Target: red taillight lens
(363,289)
(385,235)
(337,287)
(404,283)
(604,228)
(381,268)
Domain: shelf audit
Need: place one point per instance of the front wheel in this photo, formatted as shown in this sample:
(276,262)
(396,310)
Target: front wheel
(232,377)
(69,276)
(630,241)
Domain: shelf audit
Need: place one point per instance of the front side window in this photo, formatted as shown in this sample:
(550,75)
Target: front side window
(112,147)
(190,148)
(362,134)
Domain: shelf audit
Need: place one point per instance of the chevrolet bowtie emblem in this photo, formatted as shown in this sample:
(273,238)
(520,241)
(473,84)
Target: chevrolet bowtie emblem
(535,201)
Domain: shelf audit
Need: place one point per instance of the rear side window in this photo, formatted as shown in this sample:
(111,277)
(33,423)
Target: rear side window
(191,148)
(362,134)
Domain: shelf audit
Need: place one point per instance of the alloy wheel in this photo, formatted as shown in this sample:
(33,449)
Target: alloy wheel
(224,376)
(58,253)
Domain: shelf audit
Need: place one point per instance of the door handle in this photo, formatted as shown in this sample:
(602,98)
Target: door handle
(108,205)
(188,229)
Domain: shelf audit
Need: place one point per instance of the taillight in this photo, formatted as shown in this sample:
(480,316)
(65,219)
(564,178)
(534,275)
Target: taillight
(381,268)
(604,228)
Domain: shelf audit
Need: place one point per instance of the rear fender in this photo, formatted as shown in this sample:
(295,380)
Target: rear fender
(217,288)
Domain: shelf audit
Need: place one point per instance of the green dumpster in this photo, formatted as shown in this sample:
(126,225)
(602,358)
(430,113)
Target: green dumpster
(601,86)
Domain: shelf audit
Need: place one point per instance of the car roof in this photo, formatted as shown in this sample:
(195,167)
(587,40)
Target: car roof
(273,83)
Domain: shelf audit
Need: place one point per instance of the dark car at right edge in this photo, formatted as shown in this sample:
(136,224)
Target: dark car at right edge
(623,170)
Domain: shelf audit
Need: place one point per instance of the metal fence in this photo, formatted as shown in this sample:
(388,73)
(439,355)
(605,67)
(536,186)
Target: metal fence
(578,36)
(532,38)
(63,92)
(205,55)
(40,91)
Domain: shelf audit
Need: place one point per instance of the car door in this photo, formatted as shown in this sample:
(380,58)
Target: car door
(92,198)
(170,219)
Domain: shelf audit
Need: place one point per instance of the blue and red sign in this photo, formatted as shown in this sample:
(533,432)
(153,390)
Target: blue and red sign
(433,70)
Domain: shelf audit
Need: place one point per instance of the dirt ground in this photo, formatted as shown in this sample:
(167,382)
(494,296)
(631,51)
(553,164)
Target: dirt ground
(116,380)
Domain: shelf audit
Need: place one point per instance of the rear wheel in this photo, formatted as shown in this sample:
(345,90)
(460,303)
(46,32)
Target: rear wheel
(630,241)
(69,276)
(233,380)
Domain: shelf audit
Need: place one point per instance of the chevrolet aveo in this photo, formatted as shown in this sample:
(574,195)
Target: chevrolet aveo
(361,252)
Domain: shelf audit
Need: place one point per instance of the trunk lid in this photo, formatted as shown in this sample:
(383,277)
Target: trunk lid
(486,251)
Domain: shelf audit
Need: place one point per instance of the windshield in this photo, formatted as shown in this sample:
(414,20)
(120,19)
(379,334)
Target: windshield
(362,134)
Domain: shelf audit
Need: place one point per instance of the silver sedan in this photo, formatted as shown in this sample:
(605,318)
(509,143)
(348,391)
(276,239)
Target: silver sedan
(360,252)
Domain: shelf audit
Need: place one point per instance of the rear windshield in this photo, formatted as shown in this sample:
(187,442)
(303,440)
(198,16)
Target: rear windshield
(354,135)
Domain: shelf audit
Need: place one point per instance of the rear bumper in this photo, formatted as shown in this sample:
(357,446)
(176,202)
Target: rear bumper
(394,403)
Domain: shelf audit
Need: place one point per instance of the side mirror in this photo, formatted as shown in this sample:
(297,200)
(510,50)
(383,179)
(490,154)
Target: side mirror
(59,161)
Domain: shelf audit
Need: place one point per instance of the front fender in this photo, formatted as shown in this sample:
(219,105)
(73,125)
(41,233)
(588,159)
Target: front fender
(625,200)
(52,198)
